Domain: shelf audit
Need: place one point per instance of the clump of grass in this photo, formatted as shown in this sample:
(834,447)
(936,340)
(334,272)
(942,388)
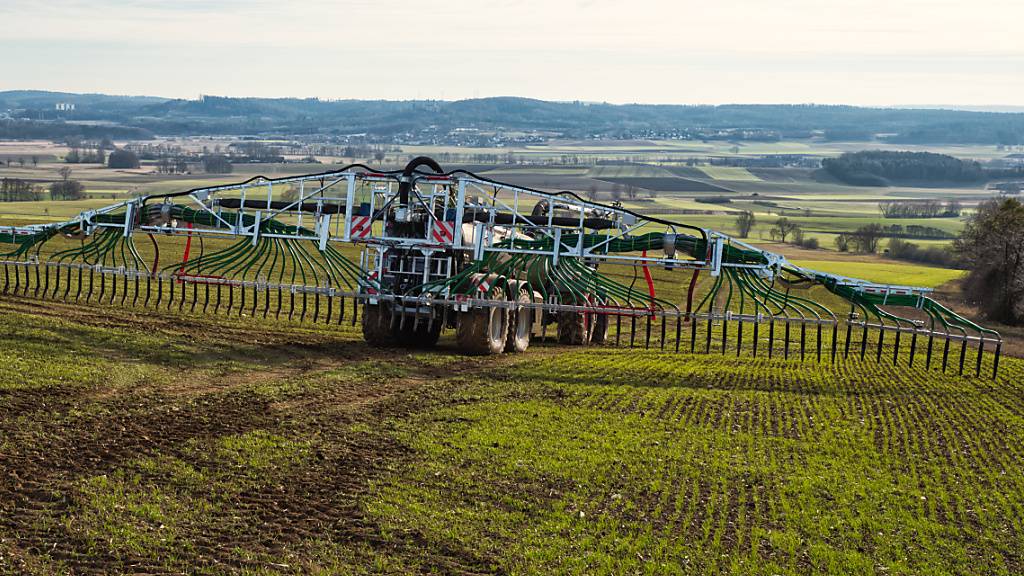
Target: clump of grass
(258,452)
(126,515)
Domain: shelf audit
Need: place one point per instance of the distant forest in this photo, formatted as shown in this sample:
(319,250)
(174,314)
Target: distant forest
(880,168)
(36,114)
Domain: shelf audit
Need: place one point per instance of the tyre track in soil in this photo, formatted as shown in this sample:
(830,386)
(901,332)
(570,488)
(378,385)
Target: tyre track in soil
(279,350)
(48,451)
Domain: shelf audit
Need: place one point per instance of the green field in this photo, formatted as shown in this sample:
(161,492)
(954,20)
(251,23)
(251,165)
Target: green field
(823,228)
(153,442)
(899,273)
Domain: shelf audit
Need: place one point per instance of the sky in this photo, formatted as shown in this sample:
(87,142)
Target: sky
(862,52)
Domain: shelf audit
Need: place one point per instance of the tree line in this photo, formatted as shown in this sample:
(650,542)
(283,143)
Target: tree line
(21,161)
(880,167)
(174,159)
(920,209)
(916,231)
(865,239)
(390,121)
(79,155)
(17,190)
(990,248)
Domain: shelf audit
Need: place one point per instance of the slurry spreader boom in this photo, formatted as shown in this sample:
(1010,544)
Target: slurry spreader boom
(419,250)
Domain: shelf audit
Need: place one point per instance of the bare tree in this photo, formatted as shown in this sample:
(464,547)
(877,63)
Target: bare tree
(66,188)
(867,237)
(783,228)
(744,222)
(992,246)
(592,192)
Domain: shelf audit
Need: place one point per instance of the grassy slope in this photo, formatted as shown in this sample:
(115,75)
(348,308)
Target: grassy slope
(167,443)
(891,272)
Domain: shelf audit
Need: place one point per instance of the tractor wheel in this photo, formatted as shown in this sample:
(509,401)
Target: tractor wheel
(377,325)
(599,328)
(573,328)
(522,325)
(483,330)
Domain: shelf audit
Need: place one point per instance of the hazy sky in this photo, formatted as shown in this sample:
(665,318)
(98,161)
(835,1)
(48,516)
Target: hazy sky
(875,52)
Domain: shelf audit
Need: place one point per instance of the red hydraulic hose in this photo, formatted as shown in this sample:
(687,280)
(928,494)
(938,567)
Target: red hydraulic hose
(689,292)
(650,281)
(188,248)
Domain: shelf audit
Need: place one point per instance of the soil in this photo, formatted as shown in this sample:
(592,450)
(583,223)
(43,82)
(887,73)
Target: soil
(54,438)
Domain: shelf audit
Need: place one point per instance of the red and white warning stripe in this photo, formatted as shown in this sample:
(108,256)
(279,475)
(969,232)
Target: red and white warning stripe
(888,291)
(443,232)
(361,227)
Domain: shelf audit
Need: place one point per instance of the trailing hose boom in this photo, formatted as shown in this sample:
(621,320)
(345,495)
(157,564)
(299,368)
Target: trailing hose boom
(416,251)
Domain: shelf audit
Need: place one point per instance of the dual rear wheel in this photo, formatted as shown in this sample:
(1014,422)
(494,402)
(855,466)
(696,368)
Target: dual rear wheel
(581,328)
(483,331)
(497,329)
(521,328)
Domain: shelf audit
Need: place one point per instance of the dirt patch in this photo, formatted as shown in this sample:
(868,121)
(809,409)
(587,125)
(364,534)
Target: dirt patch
(55,439)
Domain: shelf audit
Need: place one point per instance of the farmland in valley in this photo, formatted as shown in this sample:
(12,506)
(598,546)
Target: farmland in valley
(651,177)
(184,438)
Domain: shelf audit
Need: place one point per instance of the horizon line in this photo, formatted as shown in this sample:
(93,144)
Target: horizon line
(1010,108)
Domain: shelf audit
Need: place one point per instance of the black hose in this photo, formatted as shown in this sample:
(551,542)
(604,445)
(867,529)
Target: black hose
(405,185)
(577,197)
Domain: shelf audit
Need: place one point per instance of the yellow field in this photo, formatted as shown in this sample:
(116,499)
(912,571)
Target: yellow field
(729,173)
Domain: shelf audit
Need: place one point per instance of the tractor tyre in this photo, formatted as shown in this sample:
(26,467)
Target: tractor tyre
(483,330)
(377,325)
(599,328)
(573,328)
(521,327)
